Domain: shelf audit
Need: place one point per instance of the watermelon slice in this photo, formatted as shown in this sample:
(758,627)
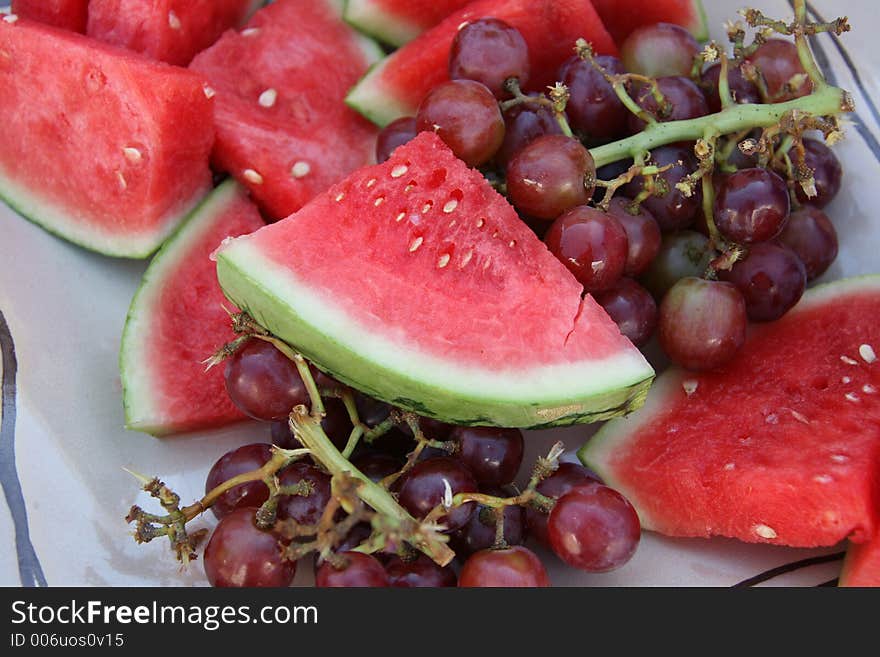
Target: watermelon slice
(396,86)
(177,320)
(398,21)
(415,282)
(171,31)
(861,567)
(623,16)
(781,446)
(112,150)
(66,14)
(283,129)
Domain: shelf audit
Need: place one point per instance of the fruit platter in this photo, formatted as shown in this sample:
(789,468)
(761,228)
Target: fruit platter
(478,294)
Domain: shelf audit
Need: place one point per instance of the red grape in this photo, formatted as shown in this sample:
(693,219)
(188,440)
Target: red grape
(376,465)
(771,279)
(811,235)
(642,234)
(682,254)
(592,244)
(465,115)
(336,424)
(672,209)
(751,205)
(593,109)
(360,571)
(594,528)
(493,455)
(395,134)
(420,572)
(304,509)
(550,175)
(240,555)
(479,533)
(566,477)
(659,49)
(525,123)
(827,173)
(777,60)
(682,100)
(702,323)
(489,51)
(263,383)
(741,89)
(508,567)
(632,308)
(424,486)
(238,461)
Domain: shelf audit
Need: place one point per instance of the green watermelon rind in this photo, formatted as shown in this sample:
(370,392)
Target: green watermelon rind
(598,452)
(454,392)
(374,20)
(57,220)
(372,99)
(138,386)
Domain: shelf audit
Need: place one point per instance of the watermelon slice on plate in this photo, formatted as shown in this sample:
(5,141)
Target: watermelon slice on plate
(171,31)
(398,21)
(283,129)
(417,283)
(395,87)
(177,320)
(113,149)
(623,16)
(67,14)
(780,446)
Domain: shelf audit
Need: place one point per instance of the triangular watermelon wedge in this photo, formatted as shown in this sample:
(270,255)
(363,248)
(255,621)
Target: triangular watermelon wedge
(177,320)
(780,446)
(396,85)
(417,283)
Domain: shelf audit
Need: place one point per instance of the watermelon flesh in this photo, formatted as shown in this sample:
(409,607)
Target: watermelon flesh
(171,31)
(395,87)
(177,320)
(112,150)
(66,14)
(861,567)
(781,446)
(417,283)
(624,16)
(398,21)
(283,129)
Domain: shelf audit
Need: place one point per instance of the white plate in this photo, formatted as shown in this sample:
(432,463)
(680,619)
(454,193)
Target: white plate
(65,309)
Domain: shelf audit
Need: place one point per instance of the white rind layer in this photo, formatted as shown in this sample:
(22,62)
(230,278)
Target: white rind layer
(371,18)
(373,100)
(139,383)
(389,368)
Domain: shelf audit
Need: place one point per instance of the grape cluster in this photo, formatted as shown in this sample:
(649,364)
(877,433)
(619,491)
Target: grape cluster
(690,263)
(565,507)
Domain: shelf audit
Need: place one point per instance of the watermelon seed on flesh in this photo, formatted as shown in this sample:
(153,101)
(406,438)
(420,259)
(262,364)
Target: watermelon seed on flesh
(416,283)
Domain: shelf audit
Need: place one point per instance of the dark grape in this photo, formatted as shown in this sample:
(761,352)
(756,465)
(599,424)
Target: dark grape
(376,465)
(702,323)
(593,109)
(240,555)
(642,234)
(632,308)
(304,509)
(659,49)
(751,206)
(594,528)
(435,429)
(525,123)
(682,254)
(778,61)
(682,100)
(263,383)
(465,115)
(355,537)
(811,235)
(827,173)
(509,567)
(592,244)
(336,425)
(479,533)
(425,485)
(493,455)
(244,459)
(489,51)
(372,412)
(740,160)
(741,89)
(566,477)
(672,209)
(771,279)
(420,572)
(360,571)
(550,175)
(395,134)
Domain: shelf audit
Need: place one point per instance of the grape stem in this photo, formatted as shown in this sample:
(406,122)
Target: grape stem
(824,101)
